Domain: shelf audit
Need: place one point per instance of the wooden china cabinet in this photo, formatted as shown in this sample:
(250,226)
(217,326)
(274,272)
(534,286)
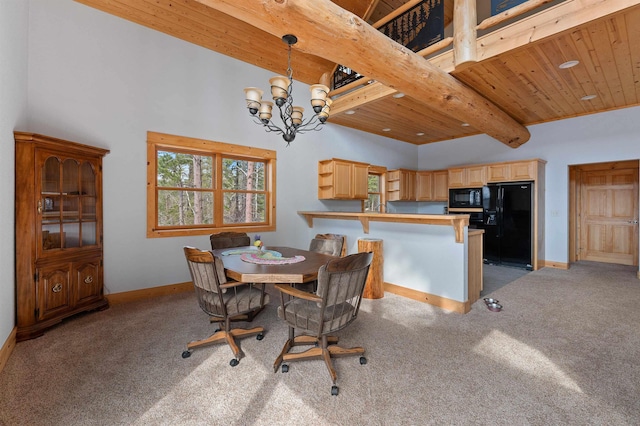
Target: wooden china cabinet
(59,270)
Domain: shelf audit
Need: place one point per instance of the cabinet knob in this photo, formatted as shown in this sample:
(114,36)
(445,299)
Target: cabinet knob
(39,206)
(88,279)
(57,288)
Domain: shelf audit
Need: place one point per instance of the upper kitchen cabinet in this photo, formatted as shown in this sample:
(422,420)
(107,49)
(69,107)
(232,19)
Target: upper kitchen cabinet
(514,171)
(468,177)
(401,185)
(342,180)
(432,185)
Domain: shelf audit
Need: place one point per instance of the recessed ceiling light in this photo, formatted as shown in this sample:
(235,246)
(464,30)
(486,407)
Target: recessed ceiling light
(350,112)
(386,129)
(465,124)
(568,64)
(420,134)
(588,97)
(398,95)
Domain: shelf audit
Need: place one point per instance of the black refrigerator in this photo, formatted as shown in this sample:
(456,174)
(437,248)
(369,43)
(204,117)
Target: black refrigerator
(508,223)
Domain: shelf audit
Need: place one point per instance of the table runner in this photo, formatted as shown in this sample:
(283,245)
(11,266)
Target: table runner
(267,258)
(250,251)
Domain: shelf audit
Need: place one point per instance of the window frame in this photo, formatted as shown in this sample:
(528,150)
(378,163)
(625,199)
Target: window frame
(381,172)
(218,150)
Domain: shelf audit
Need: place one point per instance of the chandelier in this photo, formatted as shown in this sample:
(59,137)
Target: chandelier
(291,116)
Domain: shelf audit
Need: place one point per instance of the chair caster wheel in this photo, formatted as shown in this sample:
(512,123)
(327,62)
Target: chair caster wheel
(260,336)
(186,354)
(334,390)
(363,360)
(285,368)
(234,362)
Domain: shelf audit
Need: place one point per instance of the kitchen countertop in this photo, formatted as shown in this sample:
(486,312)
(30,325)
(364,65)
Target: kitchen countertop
(457,221)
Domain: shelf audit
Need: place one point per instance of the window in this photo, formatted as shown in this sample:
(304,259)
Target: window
(199,187)
(376,200)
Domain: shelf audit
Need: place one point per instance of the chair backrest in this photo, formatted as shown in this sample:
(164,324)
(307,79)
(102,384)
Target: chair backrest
(340,285)
(338,237)
(207,273)
(229,240)
(330,247)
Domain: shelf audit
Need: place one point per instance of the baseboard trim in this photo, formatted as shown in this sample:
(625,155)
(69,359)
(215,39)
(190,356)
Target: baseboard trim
(7,348)
(147,293)
(552,264)
(440,302)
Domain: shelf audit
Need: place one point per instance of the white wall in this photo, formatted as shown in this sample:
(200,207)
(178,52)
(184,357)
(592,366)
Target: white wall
(13,115)
(596,138)
(100,80)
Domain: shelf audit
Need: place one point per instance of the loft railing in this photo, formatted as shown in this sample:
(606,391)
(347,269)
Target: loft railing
(464,25)
(420,25)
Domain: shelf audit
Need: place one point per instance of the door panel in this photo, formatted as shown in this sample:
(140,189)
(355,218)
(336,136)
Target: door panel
(609,215)
(53,291)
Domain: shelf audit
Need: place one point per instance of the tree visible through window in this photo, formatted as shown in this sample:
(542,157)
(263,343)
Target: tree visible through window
(185,189)
(198,187)
(244,191)
(375,201)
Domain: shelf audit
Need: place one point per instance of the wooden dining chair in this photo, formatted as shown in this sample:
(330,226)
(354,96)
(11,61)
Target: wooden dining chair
(224,301)
(333,244)
(333,306)
(229,240)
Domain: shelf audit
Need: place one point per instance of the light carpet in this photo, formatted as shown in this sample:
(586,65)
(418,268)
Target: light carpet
(564,350)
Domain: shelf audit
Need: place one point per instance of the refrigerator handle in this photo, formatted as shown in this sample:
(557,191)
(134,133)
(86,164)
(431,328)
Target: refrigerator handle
(500,208)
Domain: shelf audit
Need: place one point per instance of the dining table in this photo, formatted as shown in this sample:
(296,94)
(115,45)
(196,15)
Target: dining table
(302,271)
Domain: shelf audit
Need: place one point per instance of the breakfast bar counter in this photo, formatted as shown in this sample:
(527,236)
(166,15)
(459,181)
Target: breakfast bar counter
(433,258)
(457,221)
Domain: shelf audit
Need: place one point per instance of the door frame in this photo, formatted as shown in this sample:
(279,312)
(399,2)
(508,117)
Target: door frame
(575,190)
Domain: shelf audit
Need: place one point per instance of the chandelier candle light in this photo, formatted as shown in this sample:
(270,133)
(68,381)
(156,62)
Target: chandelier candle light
(291,116)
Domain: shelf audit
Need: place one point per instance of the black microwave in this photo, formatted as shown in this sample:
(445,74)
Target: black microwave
(465,198)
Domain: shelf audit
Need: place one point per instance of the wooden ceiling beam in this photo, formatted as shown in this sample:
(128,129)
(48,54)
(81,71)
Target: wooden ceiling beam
(547,23)
(369,93)
(330,32)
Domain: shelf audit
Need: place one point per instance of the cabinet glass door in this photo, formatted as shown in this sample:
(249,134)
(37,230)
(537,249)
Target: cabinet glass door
(50,204)
(68,204)
(88,229)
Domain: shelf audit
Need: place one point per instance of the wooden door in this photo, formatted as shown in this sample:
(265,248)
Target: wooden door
(53,291)
(360,181)
(342,179)
(609,216)
(440,185)
(408,185)
(457,178)
(88,281)
(424,186)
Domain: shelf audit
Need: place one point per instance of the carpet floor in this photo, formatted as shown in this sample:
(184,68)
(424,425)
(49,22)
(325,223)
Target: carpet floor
(564,350)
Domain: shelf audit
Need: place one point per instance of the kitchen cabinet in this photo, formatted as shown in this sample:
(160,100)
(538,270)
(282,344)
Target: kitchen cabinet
(432,185)
(512,171)
(59,268)
(467,177)
(342,180)
(401,185)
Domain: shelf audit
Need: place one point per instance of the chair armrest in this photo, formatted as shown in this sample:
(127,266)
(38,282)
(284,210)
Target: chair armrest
(233,284)
(292,291)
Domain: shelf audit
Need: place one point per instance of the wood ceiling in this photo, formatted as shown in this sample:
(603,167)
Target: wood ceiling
(517,67)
